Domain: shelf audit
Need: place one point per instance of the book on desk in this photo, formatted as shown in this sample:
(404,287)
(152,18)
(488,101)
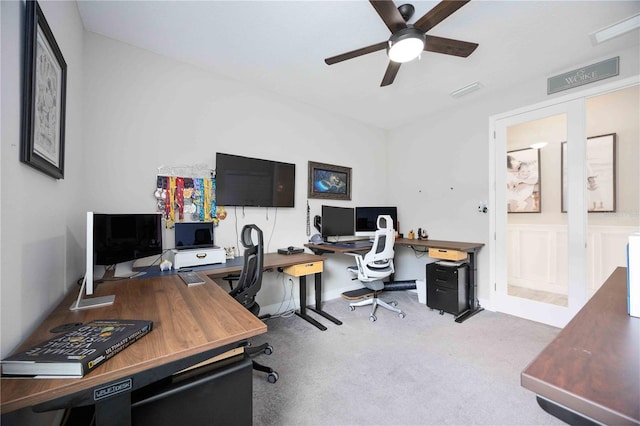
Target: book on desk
(77,351)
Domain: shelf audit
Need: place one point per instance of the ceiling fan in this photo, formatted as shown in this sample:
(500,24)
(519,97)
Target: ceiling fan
(407,41)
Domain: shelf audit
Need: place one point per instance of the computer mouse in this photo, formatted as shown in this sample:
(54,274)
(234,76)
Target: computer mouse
(290,248)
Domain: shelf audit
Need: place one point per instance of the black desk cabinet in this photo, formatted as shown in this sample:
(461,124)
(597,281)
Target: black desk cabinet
(447,287)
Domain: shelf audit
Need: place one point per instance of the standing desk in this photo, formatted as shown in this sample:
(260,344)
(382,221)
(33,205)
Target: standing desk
(190,325)
(281,261)
(470,248)
(591,370)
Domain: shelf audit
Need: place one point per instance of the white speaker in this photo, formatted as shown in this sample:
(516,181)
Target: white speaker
(633,274)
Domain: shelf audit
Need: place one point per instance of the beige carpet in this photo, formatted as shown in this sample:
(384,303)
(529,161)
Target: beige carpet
(424,369)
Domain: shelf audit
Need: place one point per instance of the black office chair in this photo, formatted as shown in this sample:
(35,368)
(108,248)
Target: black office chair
(248,286)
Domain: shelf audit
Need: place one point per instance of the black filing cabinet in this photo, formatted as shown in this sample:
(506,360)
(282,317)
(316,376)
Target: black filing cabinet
(447,287)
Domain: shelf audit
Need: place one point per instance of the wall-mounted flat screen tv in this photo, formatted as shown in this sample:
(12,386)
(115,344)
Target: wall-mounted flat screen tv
(252,182)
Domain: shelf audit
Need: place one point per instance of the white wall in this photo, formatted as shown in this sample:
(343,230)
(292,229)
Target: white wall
(143,111)
(444,160)
(42,220)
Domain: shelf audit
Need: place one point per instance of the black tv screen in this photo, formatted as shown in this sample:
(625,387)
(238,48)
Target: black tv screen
(252,182)
(190,235)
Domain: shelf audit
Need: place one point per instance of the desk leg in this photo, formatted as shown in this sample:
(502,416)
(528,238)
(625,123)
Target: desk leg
(318,309)
(564,414)
(115,411)
(303,304)
(474,307)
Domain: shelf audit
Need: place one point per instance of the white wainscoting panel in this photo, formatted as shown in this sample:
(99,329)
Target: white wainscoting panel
(538,255)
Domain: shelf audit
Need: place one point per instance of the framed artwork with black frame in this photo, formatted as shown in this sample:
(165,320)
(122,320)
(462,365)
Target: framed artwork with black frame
(523,181)
(44,97)
(601,174)
(329,182)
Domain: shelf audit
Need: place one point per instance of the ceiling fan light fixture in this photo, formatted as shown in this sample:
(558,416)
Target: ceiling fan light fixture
(406,45)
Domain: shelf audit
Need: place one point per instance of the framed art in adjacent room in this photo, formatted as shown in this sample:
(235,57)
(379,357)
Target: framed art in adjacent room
(523,181)
(601,174)
(329,182)
(43,109)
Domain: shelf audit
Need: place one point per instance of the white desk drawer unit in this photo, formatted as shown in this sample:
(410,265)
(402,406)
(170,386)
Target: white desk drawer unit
(303,269)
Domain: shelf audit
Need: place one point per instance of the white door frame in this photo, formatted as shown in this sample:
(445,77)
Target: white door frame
(574,105)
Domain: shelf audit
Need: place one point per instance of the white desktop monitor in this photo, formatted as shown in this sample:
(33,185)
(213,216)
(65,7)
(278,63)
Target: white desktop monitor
(366,219)
(87,282)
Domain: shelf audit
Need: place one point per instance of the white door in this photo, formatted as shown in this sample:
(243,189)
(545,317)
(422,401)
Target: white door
(540,250)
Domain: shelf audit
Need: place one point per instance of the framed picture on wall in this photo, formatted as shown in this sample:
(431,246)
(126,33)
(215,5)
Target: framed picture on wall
(329,182)
(44,96)
(523,181)
(601,174)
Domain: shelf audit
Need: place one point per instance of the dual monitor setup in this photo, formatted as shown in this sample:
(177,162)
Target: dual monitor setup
(339,222)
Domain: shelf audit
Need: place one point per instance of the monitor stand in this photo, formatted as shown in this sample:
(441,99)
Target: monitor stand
(90,303)
(125,270)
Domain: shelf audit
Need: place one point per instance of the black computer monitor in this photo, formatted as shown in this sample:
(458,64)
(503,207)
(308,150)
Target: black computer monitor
(367,217)
(123,238)
(116,240)
(337,222)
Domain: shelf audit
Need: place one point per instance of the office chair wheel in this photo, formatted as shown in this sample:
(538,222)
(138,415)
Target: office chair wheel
(393,303)
(352,308)
(268,350)
(372,318)
(402,315)
(272,377)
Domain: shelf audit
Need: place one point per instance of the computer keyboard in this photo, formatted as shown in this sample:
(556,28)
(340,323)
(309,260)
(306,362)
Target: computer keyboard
(353,244)
(190,278)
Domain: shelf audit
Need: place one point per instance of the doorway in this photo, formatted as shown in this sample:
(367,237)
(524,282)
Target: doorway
(554,243)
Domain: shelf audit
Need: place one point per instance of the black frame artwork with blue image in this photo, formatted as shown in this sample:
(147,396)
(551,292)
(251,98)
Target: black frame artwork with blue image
(327,181)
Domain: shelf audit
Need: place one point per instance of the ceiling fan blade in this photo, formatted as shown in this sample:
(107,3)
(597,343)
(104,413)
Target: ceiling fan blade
(390,74)
(449,46)
(355,53)
(438,14)
(389,14)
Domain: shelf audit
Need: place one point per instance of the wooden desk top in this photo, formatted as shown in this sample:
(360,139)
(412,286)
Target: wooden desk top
(449,245)
(271,260)
(187,322)
(593,365)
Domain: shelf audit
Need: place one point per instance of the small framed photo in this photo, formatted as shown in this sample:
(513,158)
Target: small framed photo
(601,174)
(329,182)
(43,108)
(523,181)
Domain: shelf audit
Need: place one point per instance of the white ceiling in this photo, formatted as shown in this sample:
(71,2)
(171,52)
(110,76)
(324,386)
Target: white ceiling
(280,46)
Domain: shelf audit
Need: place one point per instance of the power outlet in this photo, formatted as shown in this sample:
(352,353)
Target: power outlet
(482,207)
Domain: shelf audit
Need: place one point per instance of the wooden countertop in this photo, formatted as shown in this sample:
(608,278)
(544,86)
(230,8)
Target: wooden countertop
(189,322)
(593,365)
(449,245)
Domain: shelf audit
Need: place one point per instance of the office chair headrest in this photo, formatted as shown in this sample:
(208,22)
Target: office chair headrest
(385,222)
(246,239)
